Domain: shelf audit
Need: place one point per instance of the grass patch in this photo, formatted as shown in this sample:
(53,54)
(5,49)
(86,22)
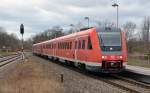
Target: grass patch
(138,62)
(6,53)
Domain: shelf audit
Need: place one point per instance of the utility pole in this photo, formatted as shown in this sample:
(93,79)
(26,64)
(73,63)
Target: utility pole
(116,5)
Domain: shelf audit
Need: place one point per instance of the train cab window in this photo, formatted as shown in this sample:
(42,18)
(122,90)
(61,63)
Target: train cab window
(79,44)
(83,44)
(89,43)
(75,44)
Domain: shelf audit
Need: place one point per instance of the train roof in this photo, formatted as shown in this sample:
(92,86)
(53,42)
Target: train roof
(108,29)
(81,32)
(84,31)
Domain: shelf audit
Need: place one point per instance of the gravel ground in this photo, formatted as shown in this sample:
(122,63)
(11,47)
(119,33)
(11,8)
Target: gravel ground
(37,75)
(75,82)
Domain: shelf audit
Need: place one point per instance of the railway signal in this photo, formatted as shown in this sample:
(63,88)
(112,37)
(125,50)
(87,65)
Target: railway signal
(22,32)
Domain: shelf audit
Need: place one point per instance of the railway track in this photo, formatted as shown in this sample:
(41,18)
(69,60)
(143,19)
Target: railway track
(122,83)
(127,85)
(7,59)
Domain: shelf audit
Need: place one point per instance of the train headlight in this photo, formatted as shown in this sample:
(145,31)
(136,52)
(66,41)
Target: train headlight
(120,57)
(103,57)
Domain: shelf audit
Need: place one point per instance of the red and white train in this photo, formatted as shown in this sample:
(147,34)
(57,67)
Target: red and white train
(95,49)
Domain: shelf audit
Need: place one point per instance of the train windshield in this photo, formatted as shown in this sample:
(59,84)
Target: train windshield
(110,41)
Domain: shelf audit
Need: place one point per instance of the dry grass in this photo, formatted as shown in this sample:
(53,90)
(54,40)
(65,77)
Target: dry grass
(6,53)
(138,62)
(29,77)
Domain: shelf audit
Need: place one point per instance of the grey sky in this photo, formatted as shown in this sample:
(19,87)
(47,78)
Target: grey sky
(38,15)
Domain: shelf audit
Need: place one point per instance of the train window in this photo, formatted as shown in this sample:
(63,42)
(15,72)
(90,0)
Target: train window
(59,45)
(47,46)
(70,45)
(79,44)
(66,45)
(63,45)
(89,43)
(83,44)
(75,44)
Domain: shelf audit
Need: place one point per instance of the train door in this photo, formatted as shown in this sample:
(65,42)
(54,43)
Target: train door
(81,52)
(75,49)
(41,49)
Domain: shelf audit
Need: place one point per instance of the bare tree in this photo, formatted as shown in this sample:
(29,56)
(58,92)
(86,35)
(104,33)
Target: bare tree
(129,28)
(8,40)
(145,32)
(55,31)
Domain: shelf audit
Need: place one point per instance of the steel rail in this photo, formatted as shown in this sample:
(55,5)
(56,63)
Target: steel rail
(8,60)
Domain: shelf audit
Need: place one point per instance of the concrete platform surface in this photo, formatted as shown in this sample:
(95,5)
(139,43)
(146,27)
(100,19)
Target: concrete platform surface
(138,70)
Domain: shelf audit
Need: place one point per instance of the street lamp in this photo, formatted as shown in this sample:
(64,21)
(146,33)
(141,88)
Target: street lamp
(87,18)
(116,5)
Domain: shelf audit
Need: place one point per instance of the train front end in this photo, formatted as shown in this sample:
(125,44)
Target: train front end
(113,50)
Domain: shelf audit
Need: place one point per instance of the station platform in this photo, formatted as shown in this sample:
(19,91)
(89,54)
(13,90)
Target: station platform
(138,70)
